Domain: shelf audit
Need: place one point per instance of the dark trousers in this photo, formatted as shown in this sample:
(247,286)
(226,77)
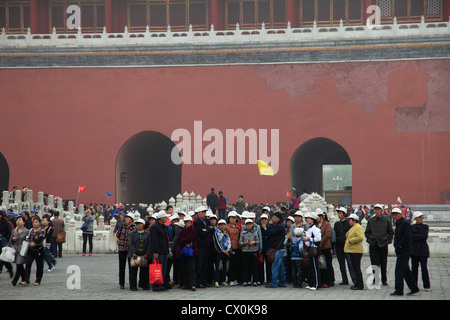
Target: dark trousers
(221,267)
(188,266)
(342,257)
(87,237)
(249,266)
(415,261)
(378,257)
(20,273)
(356,265)
(167,276)
(143,277)
(235,262)
(201,265)
(402,272)
(327,275)
(314,272)
(37,256)
(177,270)
(122,266)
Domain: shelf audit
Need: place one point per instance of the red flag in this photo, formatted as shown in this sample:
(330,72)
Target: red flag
(288,194)
(81,188)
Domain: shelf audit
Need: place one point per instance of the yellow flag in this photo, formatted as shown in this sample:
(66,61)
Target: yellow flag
(264,169)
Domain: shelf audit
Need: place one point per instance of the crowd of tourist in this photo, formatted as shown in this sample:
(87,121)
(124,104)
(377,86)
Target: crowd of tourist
(225,244)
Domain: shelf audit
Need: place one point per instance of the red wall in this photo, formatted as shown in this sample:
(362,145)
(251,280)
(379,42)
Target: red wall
(66,126)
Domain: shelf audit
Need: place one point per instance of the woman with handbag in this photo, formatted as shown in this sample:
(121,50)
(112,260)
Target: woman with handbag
(327,272)
(5,235)
(35,252)
(312,241)
(138,243)
(48,227)
(17,238)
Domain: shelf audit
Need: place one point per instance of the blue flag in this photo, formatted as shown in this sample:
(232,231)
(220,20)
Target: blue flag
(109,194)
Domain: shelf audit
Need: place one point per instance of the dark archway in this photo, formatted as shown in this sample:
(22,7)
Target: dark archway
(4,173)
(307,161)
(145,172)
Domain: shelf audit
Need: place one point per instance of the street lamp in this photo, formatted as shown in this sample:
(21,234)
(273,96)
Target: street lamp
(337,179)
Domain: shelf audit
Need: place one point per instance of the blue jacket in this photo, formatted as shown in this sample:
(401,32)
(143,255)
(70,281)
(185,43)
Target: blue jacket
(277,235)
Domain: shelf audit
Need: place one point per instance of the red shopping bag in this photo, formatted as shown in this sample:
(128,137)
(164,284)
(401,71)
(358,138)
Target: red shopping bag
(155,275)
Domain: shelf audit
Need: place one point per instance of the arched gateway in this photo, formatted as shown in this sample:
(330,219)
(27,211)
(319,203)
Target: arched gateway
(145,172)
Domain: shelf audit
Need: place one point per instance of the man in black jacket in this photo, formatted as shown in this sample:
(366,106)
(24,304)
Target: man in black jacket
(341,227)
(159,246)
(277,236)
(211,200)
(403,246)
(204,233)
(379,235)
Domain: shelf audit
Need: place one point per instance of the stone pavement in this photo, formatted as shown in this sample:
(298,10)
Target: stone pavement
(99,281)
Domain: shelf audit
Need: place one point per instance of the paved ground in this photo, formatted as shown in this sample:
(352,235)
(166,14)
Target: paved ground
(99,281)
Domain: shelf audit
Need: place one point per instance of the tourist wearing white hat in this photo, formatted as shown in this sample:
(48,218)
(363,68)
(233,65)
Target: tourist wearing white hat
(312,239)
(222,246)
(187,238)
(204,234)
(177,267)
(297,253)
(249,241)
(327,274)
(354,248)
(159,247)
(171,228)
(341,227)
(234,232)
(420,250)
(139,241)
(123,234)
(379,234)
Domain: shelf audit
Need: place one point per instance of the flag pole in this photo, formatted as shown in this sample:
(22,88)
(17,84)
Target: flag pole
(78,193)
(262,185)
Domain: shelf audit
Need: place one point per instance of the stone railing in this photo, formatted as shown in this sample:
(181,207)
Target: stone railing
(104,239)
(223,36)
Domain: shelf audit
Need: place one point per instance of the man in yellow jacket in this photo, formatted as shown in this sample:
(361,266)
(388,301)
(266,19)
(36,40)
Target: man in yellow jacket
(355,249)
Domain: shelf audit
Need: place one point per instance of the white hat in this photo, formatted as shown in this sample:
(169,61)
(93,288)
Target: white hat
(174,216)
(298,213)
(140,221)
(311,215)
(298,231)
(130,215)
(396,210)
(264,216)
(291,218)
(161,214)
(248,221)
(180,223)
(378,206)
(266,208)
(232,214)
(251,215)
(221,221)
(245,214)
(319,212)
(342,209)
(187,218)
(181,212)
(213,216)
(191,213)
(200,209)
(417,214)
(353,216)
